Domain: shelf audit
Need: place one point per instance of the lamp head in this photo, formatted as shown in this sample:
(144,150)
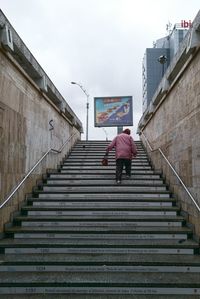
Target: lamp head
(73,82)
(162,59)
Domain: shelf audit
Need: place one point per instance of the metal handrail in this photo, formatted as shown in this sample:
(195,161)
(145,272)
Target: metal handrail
(174,171)
(33,168)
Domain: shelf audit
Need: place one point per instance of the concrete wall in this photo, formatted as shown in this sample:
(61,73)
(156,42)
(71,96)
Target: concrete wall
(26,116)
(173,121)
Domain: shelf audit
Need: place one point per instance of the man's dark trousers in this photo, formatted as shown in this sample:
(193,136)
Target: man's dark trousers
(119,168)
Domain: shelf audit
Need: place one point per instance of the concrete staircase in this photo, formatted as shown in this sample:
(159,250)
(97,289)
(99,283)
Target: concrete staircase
(82,236)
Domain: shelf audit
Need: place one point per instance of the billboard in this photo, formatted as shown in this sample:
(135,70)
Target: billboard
(113,111)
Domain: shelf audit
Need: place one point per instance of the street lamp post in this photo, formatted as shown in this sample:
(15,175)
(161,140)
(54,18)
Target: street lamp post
(87,106)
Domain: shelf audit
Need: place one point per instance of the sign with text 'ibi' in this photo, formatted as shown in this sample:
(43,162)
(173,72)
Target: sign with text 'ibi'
(113,111)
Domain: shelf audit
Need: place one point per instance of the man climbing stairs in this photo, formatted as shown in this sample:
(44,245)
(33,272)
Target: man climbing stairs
(79,235)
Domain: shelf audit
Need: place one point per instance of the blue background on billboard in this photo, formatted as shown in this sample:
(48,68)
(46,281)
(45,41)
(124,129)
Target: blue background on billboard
(113,111)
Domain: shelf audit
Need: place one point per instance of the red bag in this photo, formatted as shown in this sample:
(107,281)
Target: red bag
(104,161)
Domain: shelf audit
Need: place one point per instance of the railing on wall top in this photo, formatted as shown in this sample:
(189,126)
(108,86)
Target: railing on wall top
(174,171)
(33,168)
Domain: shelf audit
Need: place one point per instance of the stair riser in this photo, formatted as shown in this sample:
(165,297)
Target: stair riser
(100,167)
(104,189)
(99,149)
(101,176)
(94,153)
(104,258)
(94,269)
(84,205)
(93,223)
(97,156)
(157,236)
(108,196)
(103,170)
(98,250)
(103,213)
(98,279)
(97,162)
(104,291)
(103,182)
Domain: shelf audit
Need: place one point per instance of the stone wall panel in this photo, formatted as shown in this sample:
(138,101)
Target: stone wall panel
(25,134)
(174,127)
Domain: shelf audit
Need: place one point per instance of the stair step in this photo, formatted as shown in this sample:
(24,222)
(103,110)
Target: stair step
(85,243)
(104,170)
(98,150)
(139,236)
(179,233)
(104,182)
(118,197)
(52,203)
(107,208)
(101,152)
(115,258)
(60,212)
(97,267)
(78,176)
(96,200)
(77,158)
(80,156)
(133,232)
(136,247)
(100,167)
(163,220)
(97,162)
(98,223)
(94,196)
(103,189)
(120,278)
(102,289)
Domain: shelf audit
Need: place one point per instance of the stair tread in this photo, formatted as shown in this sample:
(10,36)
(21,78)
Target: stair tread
(173,259)
(63,176)
(111,182)
(102,279)
(102,208)
(94,190)
(111,229)
(186,262)
(101,218)
(98,231)
(102,243)
(121,188)
(105,198)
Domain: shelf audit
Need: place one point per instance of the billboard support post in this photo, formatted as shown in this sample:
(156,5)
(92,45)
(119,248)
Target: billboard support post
(119,130)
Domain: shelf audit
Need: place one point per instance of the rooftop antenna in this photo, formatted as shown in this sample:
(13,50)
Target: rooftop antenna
(154,44)
(169,28)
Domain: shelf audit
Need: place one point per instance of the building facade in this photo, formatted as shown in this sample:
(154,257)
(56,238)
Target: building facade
(156,61)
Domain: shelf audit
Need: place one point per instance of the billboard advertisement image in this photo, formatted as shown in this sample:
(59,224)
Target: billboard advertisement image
(113,111)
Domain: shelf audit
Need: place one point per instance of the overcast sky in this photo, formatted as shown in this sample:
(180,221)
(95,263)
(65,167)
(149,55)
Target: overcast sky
(97,43)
